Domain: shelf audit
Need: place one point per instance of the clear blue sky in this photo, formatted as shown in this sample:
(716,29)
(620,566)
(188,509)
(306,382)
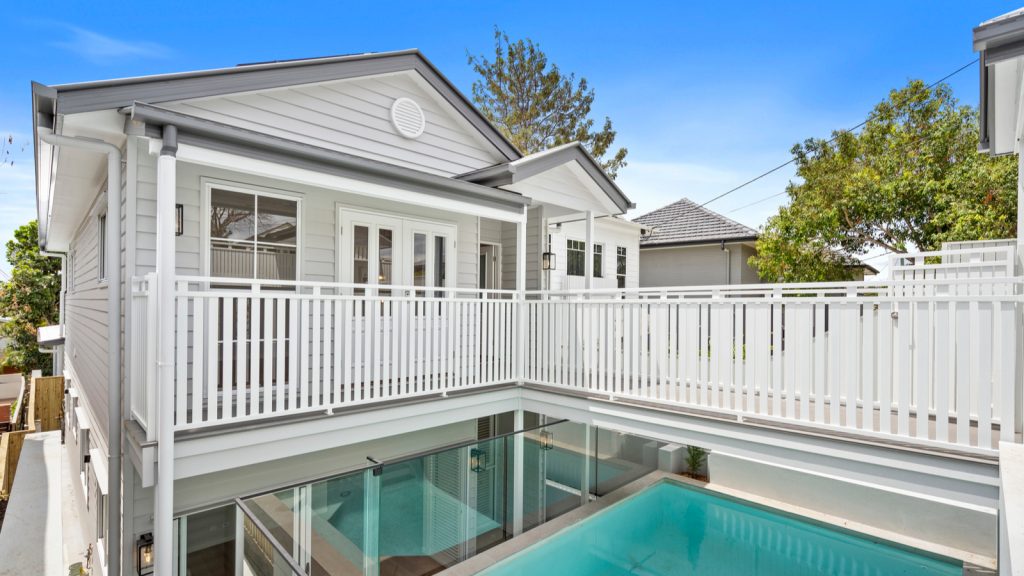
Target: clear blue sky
(704,95)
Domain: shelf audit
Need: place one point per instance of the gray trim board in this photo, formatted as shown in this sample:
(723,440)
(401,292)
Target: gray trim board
(217,136)
(529,166)
(701,242)
(111,94)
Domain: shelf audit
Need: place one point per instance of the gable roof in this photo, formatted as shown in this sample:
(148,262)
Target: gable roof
(534,164)
(156,89)
(684,222)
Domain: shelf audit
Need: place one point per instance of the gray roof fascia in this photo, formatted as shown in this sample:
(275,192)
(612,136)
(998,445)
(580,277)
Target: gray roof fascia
(218,136)
(527,167)
(702,241)
(113,94)
(999,30)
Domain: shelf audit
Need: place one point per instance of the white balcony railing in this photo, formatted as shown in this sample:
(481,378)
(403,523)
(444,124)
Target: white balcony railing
(250,350)
(925,361)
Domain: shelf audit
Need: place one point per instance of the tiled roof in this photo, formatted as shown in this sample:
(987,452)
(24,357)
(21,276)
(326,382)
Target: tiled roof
(684,222)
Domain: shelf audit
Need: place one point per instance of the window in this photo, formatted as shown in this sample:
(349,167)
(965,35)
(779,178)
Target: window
(253,236)
(101,248)
(575,257)
(620,266)
(598,260)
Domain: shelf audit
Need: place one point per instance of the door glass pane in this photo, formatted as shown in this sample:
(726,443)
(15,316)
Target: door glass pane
(440,263)
(419,260)
(386,255)
(210,542)
(360,253)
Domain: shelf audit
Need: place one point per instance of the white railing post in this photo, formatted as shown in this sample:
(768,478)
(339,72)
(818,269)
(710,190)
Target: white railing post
(520,305)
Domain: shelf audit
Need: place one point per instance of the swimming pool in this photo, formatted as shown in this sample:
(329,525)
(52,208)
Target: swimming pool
(671,529)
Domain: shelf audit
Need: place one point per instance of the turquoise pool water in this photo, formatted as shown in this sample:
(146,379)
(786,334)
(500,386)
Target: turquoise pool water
(671,529)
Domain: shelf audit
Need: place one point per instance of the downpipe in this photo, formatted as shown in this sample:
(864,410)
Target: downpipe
(114,392)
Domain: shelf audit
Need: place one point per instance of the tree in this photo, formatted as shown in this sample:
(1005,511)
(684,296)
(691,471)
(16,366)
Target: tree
(912,178)
(29,299)
(538,107)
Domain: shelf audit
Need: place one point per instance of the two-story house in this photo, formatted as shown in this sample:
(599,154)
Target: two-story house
(320,317)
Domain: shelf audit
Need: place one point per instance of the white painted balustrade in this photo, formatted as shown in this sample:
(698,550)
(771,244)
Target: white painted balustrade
(935,369)
(928,361)
(255,350)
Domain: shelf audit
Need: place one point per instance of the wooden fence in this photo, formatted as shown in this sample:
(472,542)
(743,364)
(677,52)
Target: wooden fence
(45,406)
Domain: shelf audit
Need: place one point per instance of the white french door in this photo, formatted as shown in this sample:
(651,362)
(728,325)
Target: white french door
(380,250)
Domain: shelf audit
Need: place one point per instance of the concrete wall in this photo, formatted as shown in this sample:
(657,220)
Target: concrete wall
(940,525)
(703,265)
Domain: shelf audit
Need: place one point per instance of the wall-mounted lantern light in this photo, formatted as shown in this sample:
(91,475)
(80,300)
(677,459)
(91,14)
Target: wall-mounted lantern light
(179,219)
(547,440)
(144,554)
(477,460)
(548,261)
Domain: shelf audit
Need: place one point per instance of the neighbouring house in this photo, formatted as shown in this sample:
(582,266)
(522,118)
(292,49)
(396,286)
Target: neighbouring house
(690,245)
(307,329)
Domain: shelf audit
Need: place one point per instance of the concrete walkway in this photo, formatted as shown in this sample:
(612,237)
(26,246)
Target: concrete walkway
(31,541)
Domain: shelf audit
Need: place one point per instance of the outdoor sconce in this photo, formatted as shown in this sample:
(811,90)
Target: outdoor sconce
(477,460)
(548,261)
(547,440)
(179,219)
(144,553)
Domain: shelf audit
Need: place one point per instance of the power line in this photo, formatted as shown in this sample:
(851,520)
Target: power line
(829,141)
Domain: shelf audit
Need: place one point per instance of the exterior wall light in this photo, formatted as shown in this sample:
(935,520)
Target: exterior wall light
(477,460)
(144,554)
(547,440)
(548,260)
(179,216)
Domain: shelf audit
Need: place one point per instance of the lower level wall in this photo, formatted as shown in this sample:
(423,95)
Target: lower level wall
(939,525)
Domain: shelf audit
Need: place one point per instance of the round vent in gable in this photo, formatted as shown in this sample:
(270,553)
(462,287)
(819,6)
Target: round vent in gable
(407,118)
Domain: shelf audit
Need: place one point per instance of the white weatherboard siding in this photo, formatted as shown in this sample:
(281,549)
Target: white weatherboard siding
(354,116)
(610,235)
(317,226)
(701,265)
(86,322)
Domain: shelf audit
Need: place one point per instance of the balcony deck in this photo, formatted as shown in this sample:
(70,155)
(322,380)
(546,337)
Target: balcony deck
(865,359)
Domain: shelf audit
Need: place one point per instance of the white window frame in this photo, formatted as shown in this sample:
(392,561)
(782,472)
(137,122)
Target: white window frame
(208,186)
(598,264)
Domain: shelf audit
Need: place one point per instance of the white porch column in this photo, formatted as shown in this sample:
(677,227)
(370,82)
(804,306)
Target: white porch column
(520,357)
(166,191)
(589,264)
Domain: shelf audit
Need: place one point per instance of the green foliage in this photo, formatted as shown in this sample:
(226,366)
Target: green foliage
(28,300)
(695,458)
(912,178)
(538,107)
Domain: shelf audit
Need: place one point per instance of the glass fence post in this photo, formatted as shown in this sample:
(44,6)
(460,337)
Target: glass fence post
(371,524)
(585,472)
(517,475)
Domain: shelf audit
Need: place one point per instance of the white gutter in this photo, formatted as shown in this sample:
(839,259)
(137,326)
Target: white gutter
(114,396)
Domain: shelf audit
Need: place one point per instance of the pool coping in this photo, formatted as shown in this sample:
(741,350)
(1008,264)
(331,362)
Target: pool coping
(973,563)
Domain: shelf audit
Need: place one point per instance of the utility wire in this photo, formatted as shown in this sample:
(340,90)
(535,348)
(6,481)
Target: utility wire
(829,141)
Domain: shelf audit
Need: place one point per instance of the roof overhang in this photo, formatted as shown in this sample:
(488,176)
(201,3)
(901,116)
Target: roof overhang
(571,155)
(212,135)
(120,93)
(1000,42)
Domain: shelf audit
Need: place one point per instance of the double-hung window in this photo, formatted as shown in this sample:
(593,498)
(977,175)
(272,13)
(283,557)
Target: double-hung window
(575,257)
(620,266)
(253,235)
